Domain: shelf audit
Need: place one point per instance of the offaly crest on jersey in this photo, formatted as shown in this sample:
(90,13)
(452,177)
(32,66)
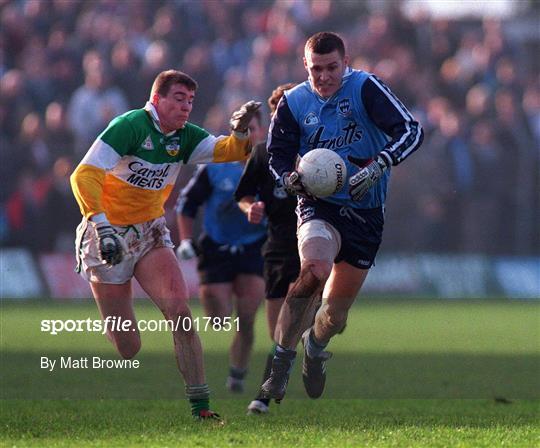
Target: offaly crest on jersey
(147,144)
(173,146)
(311,119)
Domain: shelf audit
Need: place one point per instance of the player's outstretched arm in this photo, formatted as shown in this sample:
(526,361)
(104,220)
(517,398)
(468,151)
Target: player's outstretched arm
(235,147)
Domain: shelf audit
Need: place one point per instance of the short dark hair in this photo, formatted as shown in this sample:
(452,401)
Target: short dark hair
(168,78)
(325,42)
(277,93)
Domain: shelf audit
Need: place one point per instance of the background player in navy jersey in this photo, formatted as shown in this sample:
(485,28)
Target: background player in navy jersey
(259,196)
(355,114)
(229,260)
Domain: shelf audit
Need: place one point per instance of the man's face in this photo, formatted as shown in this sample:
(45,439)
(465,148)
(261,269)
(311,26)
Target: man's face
(174,108)
(256,132)
(325,71)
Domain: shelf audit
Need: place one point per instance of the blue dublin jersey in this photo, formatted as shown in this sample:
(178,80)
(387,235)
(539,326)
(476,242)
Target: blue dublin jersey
(363,119)
(224,222)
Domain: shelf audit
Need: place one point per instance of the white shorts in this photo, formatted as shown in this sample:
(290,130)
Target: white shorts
(140,239)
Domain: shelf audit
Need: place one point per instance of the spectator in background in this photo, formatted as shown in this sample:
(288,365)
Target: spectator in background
(520,168)
(25,210)
(93,105)
(14,95)
(157,58)
(484,230)
(34,151)
(477,103)
(58,136)
(59,202)
(531,109)
(197,62)
(124,64)
(37,71)
(63,62)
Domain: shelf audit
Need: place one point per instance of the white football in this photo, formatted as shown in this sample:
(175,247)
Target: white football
(322,172)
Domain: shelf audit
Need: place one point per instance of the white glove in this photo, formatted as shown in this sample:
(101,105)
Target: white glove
(185,251)
(240,118)
(112,247)
(369,174)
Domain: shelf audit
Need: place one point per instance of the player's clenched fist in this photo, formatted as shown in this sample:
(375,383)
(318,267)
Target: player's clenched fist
(255,212)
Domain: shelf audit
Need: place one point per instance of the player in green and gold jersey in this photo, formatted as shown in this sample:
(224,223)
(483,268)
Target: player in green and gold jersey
(121,186)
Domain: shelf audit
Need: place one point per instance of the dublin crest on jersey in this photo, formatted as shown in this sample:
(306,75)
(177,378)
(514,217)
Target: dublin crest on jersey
(311,119)
(344,107)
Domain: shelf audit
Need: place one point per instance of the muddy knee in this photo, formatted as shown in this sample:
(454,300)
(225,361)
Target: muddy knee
(319,269)
(311,280)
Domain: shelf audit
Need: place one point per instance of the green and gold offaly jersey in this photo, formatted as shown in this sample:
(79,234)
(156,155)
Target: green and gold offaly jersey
(130,170)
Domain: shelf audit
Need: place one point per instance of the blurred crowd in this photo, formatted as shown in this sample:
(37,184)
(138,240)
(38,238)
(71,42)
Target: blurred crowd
(67,67)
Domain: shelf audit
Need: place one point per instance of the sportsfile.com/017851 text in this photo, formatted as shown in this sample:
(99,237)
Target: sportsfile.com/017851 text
(117,323)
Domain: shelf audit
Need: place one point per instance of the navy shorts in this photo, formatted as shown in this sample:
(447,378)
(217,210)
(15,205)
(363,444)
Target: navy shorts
(221,263)
(281,268)
(360,229)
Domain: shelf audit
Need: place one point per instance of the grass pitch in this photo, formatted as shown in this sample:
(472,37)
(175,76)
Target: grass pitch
(403,374)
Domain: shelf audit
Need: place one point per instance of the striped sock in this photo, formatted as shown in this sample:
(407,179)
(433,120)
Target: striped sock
(280,351)
(199,398)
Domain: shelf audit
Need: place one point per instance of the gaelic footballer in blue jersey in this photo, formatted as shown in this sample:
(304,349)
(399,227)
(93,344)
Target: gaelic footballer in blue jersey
(355,114)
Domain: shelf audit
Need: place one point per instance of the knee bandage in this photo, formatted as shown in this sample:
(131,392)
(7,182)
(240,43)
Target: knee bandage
(318,240)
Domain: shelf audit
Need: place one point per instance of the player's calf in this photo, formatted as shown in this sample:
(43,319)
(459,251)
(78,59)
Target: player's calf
(296,312)
(329,321)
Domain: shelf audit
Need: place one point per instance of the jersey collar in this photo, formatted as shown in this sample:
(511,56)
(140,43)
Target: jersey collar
(149,107)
